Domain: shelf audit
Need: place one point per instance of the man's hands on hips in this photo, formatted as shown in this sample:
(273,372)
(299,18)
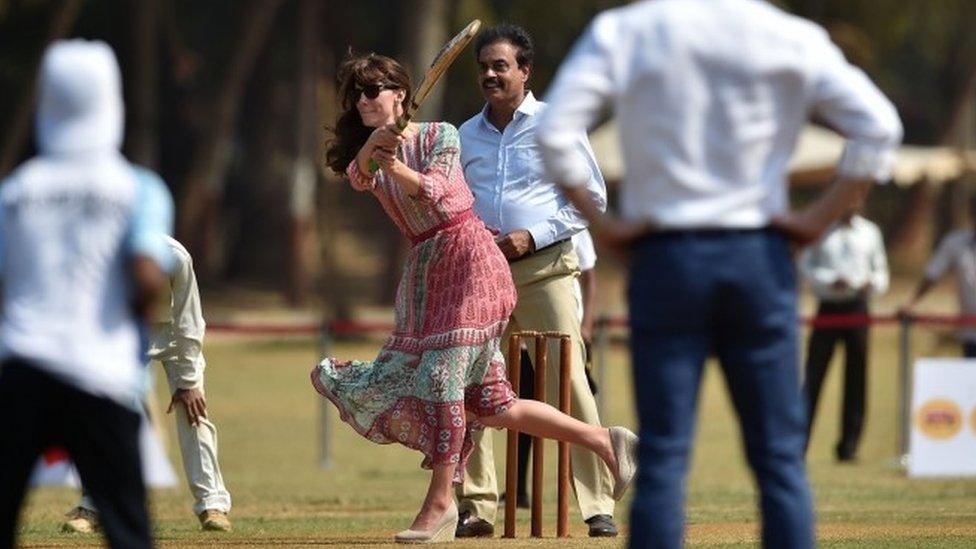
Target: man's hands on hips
(807,225)
(194,403)
(801,228)
(619,235)
(516,243)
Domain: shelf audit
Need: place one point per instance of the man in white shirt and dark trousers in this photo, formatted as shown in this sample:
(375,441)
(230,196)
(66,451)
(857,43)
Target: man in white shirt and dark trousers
(710,97)
(845,269)
(535,224)
(82,260)
(177,342)
(957,253)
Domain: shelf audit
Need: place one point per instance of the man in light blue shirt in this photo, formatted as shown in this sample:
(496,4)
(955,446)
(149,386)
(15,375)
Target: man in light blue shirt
(535,224)
(82,260)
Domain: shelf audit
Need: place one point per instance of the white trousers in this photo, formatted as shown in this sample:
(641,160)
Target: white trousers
(198,448)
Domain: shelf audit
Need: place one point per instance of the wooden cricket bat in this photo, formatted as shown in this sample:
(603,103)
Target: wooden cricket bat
(437,68)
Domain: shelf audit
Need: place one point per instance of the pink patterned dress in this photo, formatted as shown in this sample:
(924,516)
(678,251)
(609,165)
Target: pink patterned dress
(452,305)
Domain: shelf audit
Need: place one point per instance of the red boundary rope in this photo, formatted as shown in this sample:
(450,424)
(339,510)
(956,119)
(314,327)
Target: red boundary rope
(354,328)
(852,320)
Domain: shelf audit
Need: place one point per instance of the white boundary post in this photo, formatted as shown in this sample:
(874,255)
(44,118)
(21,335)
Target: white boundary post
(905,386)
(325,407)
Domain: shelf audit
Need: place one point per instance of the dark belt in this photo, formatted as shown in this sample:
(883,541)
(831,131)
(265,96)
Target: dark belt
(540,250)
(702,233)
(842,305)
(454,221)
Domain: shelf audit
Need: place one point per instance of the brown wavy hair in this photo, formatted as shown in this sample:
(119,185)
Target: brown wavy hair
(349,131)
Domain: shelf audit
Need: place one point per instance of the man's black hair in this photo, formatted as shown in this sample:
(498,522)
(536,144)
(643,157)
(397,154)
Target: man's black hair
(514,35)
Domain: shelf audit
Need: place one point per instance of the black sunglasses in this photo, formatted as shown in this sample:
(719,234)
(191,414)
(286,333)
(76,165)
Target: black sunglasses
(372,91)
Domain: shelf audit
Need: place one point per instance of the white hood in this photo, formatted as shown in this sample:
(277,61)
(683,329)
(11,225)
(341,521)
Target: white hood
(80,104)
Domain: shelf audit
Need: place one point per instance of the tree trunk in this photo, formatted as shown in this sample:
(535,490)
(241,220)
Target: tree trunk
(304,176)
(200,224)
(334,282)
(62,21)
(259,251)
(142,143)
(912,243)
(959,84)
(424,33)
(914,240)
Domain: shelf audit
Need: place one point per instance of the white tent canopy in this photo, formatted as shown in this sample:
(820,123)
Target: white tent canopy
(816,154)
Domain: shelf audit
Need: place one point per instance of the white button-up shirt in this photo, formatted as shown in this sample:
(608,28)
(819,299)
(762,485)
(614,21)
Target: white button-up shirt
(710,97)
(957,252)
(851,252)
(505,174)
(585,251)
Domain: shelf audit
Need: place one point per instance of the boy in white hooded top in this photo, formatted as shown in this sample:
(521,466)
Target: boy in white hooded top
(82,259)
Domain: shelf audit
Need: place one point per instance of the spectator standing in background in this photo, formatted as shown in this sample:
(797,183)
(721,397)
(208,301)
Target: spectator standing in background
(957,253)
(845,268)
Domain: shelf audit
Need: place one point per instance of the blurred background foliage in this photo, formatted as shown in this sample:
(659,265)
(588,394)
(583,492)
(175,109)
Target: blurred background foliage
(230,101)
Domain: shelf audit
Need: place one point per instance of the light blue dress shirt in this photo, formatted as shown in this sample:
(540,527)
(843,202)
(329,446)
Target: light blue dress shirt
(506,176)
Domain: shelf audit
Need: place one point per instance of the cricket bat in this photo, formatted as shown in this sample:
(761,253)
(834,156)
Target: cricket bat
(437,68)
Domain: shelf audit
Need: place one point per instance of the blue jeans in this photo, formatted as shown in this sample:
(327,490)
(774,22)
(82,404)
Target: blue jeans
(731,293)
(969,349)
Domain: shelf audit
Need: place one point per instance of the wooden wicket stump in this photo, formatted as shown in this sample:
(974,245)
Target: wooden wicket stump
(541,341)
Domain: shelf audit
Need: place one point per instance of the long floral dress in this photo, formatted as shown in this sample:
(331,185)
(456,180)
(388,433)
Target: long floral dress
(452,305)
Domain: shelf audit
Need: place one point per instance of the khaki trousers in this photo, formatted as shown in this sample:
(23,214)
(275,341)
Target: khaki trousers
(546,302)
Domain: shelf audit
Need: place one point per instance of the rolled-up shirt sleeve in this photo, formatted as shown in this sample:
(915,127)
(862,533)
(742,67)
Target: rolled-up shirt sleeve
(846,100)
(583,86)
(944,256)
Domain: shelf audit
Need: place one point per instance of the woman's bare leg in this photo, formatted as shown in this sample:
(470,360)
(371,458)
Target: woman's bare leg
(542,420)
(440,495)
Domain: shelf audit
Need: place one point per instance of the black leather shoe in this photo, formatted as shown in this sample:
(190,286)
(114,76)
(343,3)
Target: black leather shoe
(471,526)
(521,502)
(846,453)
(602,526)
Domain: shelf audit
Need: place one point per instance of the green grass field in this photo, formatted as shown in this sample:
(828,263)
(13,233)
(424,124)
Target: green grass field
(266,413)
